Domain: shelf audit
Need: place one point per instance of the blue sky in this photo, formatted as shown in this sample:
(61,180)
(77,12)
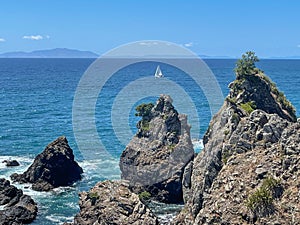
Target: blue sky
(215,27)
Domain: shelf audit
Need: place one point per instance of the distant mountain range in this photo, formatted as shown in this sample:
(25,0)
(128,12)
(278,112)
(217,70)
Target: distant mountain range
(73,53)
(51,53)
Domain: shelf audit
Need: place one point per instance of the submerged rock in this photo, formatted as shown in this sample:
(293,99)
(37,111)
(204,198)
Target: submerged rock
(18,208)
(155,159)
(250,154)
(112,202)
(52,168)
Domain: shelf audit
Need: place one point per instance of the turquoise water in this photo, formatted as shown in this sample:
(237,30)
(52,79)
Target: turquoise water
(36,98)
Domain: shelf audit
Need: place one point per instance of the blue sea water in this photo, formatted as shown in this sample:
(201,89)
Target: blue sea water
(36,99)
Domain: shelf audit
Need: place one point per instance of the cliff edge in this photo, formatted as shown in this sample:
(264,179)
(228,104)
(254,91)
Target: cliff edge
(247,172)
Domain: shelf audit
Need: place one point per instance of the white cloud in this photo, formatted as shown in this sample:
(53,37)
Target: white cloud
(47,36)
(33,37)
(2,40)
(190,44)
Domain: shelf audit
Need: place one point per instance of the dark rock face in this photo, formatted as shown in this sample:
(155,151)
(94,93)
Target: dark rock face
(155,161)
(112,202)
(52,168)
(19,208)
(10,163)
(242,151)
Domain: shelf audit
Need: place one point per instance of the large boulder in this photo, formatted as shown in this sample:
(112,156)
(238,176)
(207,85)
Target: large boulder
(18,208)
(250,143)
(52,168)
(112,202)
(155,159)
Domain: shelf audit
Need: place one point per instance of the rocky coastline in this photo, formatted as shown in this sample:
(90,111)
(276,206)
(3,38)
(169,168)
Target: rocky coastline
(247,173)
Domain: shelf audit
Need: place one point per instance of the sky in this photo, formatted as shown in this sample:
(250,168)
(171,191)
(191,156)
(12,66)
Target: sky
(214,27)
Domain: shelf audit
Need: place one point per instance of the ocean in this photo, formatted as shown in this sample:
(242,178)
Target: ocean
(37,95)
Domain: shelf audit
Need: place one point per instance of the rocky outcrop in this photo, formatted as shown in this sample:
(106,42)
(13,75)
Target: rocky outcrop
(244,173)
(10,163)
(112,202)
(18,208)
(155,159)
(52,168)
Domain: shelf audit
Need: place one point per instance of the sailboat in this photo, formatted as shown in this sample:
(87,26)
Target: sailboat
(158,73)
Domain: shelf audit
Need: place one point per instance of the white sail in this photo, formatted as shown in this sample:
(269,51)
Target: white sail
(158,73)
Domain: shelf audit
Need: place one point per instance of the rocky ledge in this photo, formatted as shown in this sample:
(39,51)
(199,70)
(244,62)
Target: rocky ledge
(18,208)
(248,170)
(112,202)
(155,159)
(52,168)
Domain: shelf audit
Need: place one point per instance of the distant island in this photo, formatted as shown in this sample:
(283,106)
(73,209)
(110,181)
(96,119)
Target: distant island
(51,53)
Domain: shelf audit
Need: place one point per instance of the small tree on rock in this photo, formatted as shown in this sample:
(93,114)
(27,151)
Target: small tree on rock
(246,65)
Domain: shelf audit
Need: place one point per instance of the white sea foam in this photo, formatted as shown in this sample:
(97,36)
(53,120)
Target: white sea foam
(198,144)
(59,219)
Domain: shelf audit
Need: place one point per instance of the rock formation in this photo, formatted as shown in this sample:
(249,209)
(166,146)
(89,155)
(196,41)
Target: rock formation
(155,158)
(248,170)
(10,163)
(52,168)
(112,202)
(18,208)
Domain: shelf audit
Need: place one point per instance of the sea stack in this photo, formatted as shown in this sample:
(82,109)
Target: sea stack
(248,170)
(154,160)
(52,168)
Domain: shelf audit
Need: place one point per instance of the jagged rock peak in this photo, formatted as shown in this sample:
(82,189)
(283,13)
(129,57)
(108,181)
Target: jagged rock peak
(250,154)
(257,91)
(52,168)
(155,158)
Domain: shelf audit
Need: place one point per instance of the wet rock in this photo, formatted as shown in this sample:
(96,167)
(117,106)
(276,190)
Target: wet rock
(52,168)
(18,208)
(11,163)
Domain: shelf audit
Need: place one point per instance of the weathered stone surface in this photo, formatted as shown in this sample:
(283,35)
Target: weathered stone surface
(241,150)
(18,208)
(112,202)
(52,168)
(154,161)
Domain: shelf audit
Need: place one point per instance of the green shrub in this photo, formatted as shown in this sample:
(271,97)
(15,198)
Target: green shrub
(249,107)
(246,65)
(231,100)
(144,110)
(261,201)
(93,196)
(144,196)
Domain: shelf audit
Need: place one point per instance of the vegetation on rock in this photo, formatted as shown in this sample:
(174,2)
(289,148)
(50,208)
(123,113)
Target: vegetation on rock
(249,107)
(144,196)
(246,65)
(261,201)
(144,110)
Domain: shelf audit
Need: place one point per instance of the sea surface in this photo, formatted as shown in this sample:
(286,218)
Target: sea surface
(36,103)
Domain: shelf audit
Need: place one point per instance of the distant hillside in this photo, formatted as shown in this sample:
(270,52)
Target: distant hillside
(51,53)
